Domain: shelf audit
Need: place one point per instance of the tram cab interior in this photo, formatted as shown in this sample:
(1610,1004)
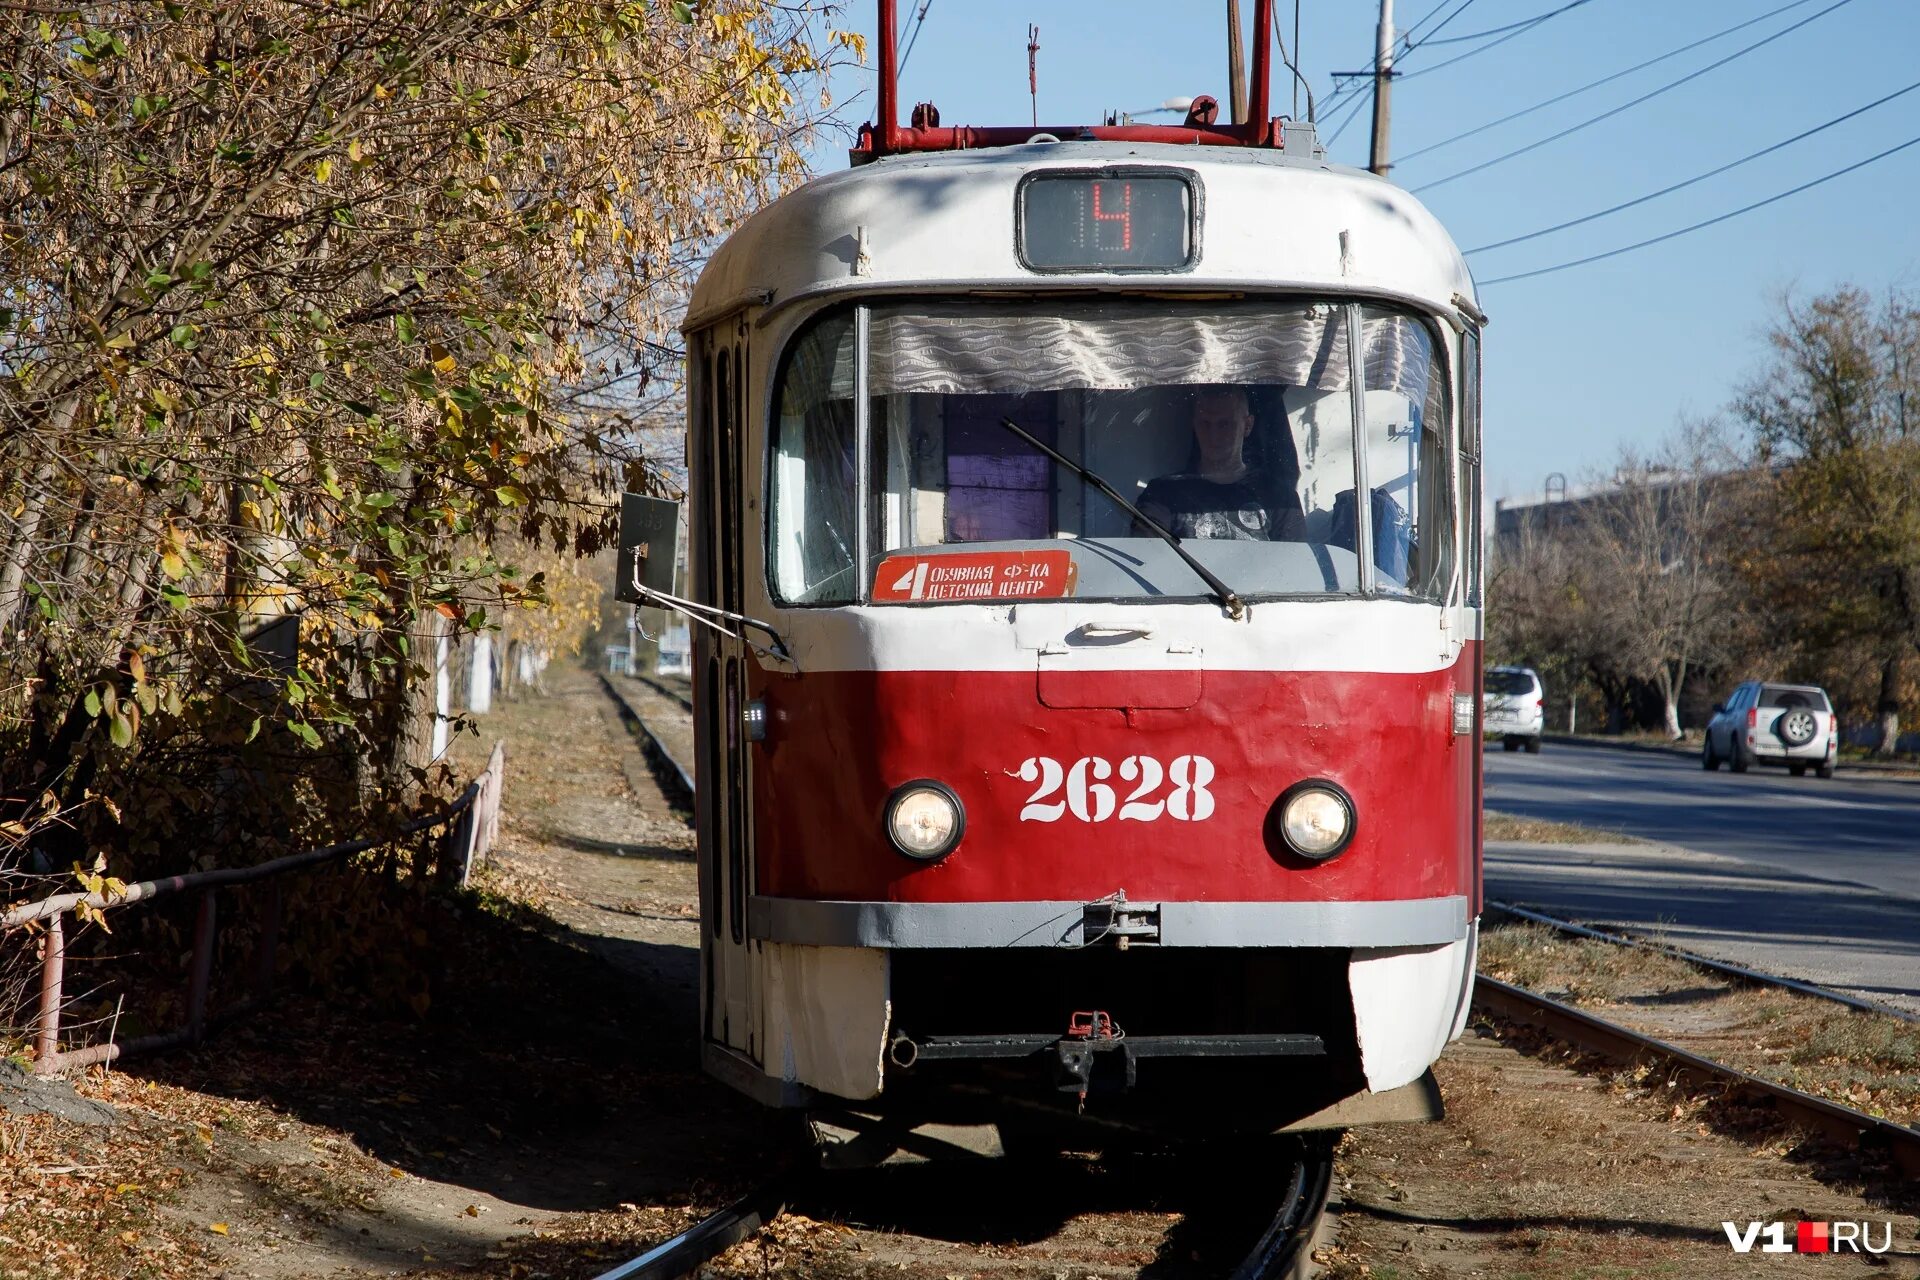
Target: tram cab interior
(946,470)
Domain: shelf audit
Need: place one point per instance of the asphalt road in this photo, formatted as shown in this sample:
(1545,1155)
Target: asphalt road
(1814,879)
(1863,829)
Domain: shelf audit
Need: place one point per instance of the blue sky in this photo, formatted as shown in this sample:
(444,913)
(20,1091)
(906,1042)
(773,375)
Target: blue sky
(1581,362)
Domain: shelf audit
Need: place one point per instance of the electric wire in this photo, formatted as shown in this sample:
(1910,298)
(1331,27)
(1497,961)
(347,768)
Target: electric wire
(1355,79)
(1511,26)
(1464,4)
(1360,79)
(1353,114)
(1595,84)
(1709,222)
(1491,44)
(1627,106)
(919,21)
(1711,173)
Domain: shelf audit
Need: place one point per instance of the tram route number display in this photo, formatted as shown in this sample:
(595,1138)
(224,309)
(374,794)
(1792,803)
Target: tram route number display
(1085,222)
(1177,790)
(975,575)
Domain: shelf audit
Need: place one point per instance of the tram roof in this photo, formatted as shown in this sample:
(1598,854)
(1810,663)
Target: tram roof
(945,222)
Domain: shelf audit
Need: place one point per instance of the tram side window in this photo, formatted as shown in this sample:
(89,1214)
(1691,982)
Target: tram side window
(1408,467)
(814,533)
(1470,464)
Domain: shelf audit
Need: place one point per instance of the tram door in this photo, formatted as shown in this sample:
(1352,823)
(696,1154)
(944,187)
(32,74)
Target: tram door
(725,825)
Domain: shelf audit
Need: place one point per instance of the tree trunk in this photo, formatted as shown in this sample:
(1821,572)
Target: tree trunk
(20,552)
(1887,707)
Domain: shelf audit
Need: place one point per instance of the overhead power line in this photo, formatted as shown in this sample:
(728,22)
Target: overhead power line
(1360,81)
(1711,173)
(1464,5)
(1511,26)
(1403,45)
(919,21)
(1627,106)
(1477,130)
(1494,44)
(1698,226)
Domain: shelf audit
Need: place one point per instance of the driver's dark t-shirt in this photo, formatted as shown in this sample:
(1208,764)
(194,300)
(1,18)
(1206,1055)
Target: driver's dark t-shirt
(1203,508)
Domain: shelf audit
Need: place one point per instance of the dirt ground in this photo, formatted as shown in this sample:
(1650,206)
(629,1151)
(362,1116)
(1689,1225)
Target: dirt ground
(1544,1171)
(548,1119)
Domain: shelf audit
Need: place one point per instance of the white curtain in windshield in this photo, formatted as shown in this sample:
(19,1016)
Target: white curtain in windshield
(1228,424)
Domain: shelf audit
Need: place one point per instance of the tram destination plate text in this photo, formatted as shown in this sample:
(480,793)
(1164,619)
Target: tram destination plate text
(975,575)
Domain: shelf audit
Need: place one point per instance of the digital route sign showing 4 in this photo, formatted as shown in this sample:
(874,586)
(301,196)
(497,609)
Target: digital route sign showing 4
(1123,221)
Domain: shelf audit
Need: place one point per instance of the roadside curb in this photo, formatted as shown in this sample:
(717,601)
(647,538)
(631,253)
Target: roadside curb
(1693,753)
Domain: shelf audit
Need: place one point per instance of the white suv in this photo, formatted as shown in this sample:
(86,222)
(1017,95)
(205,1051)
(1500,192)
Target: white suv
(1790,724)
(1514,707)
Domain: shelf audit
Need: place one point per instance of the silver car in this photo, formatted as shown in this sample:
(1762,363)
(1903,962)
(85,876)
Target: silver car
(1514,708)
(1790,724)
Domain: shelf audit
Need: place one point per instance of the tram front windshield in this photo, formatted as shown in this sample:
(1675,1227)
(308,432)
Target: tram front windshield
(1230,424)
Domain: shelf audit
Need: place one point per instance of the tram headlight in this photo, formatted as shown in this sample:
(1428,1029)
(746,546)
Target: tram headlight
(925,819)
(1316,818)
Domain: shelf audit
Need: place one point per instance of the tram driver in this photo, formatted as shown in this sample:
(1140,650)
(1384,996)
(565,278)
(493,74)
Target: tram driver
(1221,494)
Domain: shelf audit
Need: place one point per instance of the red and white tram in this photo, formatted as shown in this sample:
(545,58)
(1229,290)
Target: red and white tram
(1088,744)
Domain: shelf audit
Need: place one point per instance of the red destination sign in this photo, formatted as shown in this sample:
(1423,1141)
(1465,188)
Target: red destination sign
(976,575)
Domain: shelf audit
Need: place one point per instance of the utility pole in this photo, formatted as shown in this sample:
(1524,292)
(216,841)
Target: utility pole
(1382,88)
(1236,67)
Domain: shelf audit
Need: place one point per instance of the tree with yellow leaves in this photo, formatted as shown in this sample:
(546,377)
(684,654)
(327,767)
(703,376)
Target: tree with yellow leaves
(324,308)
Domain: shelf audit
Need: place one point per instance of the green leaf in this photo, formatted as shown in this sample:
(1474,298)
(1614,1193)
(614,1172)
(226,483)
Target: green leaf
(512,495)
(184,336)
(683,12)
(253,730)
(93,703)
(305,732)
(120,729)
(403,327)
(174,596)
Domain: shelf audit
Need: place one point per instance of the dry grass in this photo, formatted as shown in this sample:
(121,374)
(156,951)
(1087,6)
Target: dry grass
(1510,826)
(1865,1060)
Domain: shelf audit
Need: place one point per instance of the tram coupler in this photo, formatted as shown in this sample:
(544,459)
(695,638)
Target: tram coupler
(1092,1057)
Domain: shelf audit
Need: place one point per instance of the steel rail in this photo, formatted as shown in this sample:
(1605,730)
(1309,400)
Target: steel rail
(1740,973)
(705,1239)
(678,778)
(1623,1044)
(1286,1241)
(663,689)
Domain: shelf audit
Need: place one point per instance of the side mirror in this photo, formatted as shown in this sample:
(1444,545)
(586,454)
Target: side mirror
(649,547)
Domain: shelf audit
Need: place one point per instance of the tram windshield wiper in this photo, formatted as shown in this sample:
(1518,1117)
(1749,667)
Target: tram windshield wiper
(1229,601)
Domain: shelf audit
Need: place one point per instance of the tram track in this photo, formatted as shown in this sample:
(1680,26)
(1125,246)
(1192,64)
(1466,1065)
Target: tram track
(1280,1252)
(1631,1047)
(674,773)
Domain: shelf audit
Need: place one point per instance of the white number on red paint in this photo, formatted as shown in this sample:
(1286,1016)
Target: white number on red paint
(1090,799)
(1148,770)
(1089,802)
(1191,801)
(1049,774)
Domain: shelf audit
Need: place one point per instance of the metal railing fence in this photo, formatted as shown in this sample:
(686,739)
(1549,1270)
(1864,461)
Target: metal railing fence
(472,823)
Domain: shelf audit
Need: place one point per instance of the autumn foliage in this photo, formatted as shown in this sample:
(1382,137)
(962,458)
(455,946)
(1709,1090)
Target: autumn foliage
(349,312)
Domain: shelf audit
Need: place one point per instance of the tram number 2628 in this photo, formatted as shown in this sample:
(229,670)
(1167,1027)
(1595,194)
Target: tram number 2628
(1089,798)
